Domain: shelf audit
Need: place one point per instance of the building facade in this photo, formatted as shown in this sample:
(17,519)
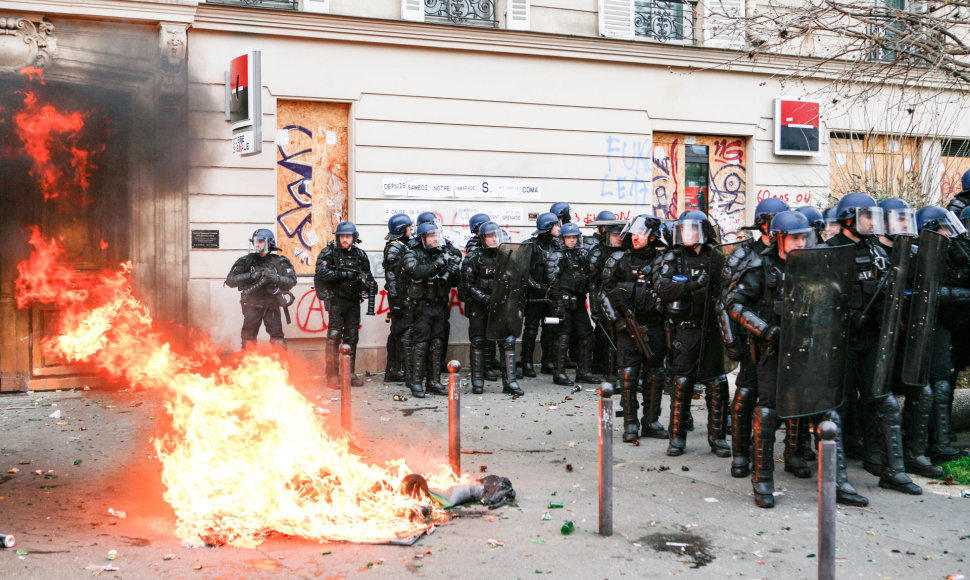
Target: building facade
(502,107)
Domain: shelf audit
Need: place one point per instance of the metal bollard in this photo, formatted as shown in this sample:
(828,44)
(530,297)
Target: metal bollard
(7,541)
(828,431)
(606,459)
(345,387)
(454,417)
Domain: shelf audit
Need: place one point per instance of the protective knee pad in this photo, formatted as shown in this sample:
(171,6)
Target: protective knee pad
(333,336)
(351,337)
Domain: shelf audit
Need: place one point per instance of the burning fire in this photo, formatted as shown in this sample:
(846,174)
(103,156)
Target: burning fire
(246,456)
(49,135)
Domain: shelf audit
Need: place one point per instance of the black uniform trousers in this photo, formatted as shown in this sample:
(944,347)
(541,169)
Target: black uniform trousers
(685,349)
(255,315)
(628,355)
(428,321)
(344,319)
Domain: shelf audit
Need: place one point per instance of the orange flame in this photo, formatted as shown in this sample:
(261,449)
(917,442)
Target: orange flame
(246,456)
(50,135)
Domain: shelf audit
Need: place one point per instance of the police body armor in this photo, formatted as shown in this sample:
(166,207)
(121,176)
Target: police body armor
(276,277)
(894,291)
(437,287)
(569,267)
(688,308)
(394,252)
(813,342)
(353,260)
(541,246)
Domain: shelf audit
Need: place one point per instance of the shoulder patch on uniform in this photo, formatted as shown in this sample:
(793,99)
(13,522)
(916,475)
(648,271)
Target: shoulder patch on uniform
(665,268)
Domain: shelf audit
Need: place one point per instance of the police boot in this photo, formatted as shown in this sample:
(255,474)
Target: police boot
(528,351)
(741,409)
(939,449)
(679,411)
(491,365)
(406,365)
(794,461)
(548,358)
(629,377)
(652,395)
(916,419)
(585,355)
(845,492)
(332,353)
(893,474)
(716,395)
(509,385)
(873,443)
(355,381)
(279,343)
(393,360)
(419,352)
(560,377)
(765,422)
(477,361)
(432,381)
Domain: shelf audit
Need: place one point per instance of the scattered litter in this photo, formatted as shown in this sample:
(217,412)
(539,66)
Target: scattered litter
(168,557)
(546,516)
(777,493)
(112,555)
(965,493)
(538,541)
(871,532)
(322,411)
(118,514)
(78,461)
(7,541)
(495,543)
(677,544)
(13,470)
(38,472)
(569,467)
(956,577)
(385,419)
(549,432)
(554,505)
(98,569)
(572,444)
(326,552)
(22,552)
(199,567)
(400,398)
(684,468)
(710,499)
(55,415)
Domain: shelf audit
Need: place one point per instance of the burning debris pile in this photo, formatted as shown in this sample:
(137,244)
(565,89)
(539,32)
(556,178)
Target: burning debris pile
(244,455)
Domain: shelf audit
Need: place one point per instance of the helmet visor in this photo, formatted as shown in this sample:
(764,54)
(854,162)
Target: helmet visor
(869,221)
(260,245)
(495,239)
(433,239)
(901,222)
(688,233)
(639,230)
(799,240)
(950,226)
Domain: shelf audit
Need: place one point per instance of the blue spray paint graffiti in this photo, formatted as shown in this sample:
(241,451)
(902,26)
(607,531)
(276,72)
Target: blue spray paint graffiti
(298,221)
(628,172)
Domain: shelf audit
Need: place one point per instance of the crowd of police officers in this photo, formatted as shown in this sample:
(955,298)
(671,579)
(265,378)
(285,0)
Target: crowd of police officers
(826,316)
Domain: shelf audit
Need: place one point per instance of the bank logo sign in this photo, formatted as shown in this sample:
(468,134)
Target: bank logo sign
(796,127)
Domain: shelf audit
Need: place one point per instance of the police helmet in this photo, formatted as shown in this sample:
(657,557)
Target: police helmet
(767,209)
(899,216)
(561,210)
(569,229)
(490,234)
(814,216)
(398,224)
(936,218)
(476,222)
(268,239)
(545,222)
(866,215)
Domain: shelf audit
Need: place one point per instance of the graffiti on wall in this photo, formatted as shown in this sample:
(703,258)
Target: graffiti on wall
(727,181)
(311,187)
(667,177)
(628,172)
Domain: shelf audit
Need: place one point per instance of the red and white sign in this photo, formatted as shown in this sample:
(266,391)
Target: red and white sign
(797,127)
(243,103)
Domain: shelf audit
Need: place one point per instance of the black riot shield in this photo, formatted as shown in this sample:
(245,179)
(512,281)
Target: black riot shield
(712,361)
(930,263)
(814,330)
(891,313)
(508,296)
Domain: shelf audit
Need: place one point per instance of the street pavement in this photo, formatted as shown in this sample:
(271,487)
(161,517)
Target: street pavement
(674,516)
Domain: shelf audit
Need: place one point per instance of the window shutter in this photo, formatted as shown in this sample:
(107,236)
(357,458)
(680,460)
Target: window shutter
(517,15)
(616,18)
(412,10)
(317,6)
(724,25)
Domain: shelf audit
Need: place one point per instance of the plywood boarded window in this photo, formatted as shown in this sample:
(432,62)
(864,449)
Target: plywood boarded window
(311,177)
(878,164)
(955,159)
(725,193)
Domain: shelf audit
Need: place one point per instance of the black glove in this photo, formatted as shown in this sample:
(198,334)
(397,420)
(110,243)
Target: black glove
(700,282)
(857,320)
(772,334)
(735,350)
(272,278)
(255,276)
(440,262)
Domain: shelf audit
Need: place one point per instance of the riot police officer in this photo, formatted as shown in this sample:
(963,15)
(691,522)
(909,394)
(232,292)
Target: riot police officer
(544,241)
(430,271)
(954,304)
(630,304)
(474,242)
(479,270)
(682,282)
(399,231)
(561,211)
(753,301)
(815,218)
(568,272)
(342,281)
(600,246)
(737,342)
(264,280)
(861,220)
(448,247)
(832,227)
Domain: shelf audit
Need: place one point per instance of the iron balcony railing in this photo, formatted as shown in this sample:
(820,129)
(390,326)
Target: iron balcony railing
(466,12)
(664,21)
(268,4)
